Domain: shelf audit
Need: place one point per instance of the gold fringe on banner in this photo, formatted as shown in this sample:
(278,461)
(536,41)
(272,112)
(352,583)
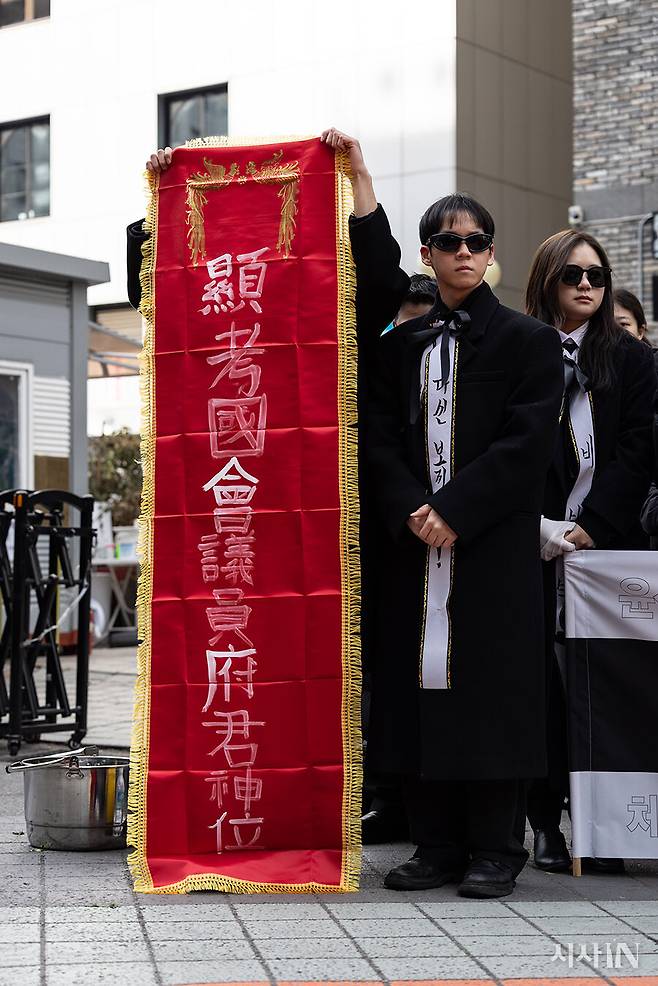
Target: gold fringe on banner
(349,531)
(139,745)
(349,549)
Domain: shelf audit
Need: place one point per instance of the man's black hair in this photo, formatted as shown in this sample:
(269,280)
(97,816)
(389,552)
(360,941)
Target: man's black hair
(422,289)
(445,211)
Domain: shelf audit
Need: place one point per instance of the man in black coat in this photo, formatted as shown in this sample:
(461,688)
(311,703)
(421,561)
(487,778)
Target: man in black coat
(463,741)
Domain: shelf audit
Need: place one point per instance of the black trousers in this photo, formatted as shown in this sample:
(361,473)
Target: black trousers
(454,822)
(546,795)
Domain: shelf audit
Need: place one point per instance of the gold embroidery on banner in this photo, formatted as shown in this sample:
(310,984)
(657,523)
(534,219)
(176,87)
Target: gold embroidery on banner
(274,171)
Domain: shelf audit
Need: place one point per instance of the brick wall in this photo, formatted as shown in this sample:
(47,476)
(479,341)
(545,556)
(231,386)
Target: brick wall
(616,130)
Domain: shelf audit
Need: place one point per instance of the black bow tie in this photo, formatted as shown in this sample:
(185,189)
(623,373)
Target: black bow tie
(452,323)
(572,372)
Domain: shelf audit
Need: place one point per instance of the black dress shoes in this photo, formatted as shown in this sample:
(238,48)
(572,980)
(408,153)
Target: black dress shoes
(380,826)
(487,878)
(605,866)
(551,853)
(419,874)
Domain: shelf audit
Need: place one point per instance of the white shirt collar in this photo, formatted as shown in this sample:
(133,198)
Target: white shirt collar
(577,335)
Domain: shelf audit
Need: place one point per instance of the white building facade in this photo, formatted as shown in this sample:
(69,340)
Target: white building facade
(113,79)
(97,72)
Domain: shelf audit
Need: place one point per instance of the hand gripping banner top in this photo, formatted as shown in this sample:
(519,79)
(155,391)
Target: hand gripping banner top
(246,759)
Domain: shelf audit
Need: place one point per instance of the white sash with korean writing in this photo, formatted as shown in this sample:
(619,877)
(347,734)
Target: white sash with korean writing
(437,403)
(581,429)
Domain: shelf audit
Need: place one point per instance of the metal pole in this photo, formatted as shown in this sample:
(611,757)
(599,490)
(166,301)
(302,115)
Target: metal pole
(640,252)
(17,624)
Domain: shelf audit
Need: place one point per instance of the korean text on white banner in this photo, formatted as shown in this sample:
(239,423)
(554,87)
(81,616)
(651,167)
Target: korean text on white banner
(611,615)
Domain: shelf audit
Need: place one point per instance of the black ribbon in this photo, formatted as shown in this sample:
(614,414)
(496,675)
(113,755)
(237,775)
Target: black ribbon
(453,323)
(573,377)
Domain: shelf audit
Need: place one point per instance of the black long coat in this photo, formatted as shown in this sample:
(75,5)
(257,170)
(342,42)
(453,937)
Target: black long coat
(623,419)
(491,722)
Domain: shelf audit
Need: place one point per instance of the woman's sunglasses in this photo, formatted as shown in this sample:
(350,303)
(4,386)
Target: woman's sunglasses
(450,242)
(597,276)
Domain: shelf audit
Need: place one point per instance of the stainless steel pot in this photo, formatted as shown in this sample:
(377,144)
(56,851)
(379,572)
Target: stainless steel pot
(76,800)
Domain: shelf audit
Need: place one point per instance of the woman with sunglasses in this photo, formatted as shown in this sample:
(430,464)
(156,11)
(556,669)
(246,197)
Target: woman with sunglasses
(598,478)
(462,412)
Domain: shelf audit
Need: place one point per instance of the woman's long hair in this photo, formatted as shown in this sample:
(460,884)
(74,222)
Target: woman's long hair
(597,351)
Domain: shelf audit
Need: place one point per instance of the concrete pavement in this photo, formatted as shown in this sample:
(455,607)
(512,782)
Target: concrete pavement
(72,918)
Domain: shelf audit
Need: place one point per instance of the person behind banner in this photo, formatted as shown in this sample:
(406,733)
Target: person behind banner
(462,414)
(384,818)
(599,475)
(629,313)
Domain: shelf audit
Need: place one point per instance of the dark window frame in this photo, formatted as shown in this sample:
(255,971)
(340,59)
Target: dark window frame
(28,14)
(17,125)
(166,98)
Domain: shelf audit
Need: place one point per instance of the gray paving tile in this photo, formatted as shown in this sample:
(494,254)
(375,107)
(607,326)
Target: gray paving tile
(293,929)
(11,915)
(185,911)
(18,932)
(422,947)
(20,976)
(632,908)
(20,953)
(102,974)
(24,859)
(336,970)
(373,911)
(400,928)
(582,926)
(307,948)
(194,930)
(557,908)
(311,910)
(59,897)
(531,967)
(95,931)
(647,966)
(641,922)
(25,898)
(202,949)
(62,857)
(466,909)
(208,972)
(93,913)
(486,926)
(479,945)
(430,968)
(17,877)
(60,952)
(108,879)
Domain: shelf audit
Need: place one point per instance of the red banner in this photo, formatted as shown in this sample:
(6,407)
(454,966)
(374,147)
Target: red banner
(245,764)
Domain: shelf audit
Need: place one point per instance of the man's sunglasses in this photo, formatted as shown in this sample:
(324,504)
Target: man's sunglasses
(450,242)
(597,276)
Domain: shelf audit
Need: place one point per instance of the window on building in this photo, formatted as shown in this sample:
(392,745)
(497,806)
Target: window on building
(15,405)
(17,11)
(195,113)
(24,169)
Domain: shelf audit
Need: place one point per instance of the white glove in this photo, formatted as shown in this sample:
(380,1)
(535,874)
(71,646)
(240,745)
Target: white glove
(551,538)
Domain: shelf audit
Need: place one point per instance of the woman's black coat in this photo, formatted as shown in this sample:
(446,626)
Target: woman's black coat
(623,419)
